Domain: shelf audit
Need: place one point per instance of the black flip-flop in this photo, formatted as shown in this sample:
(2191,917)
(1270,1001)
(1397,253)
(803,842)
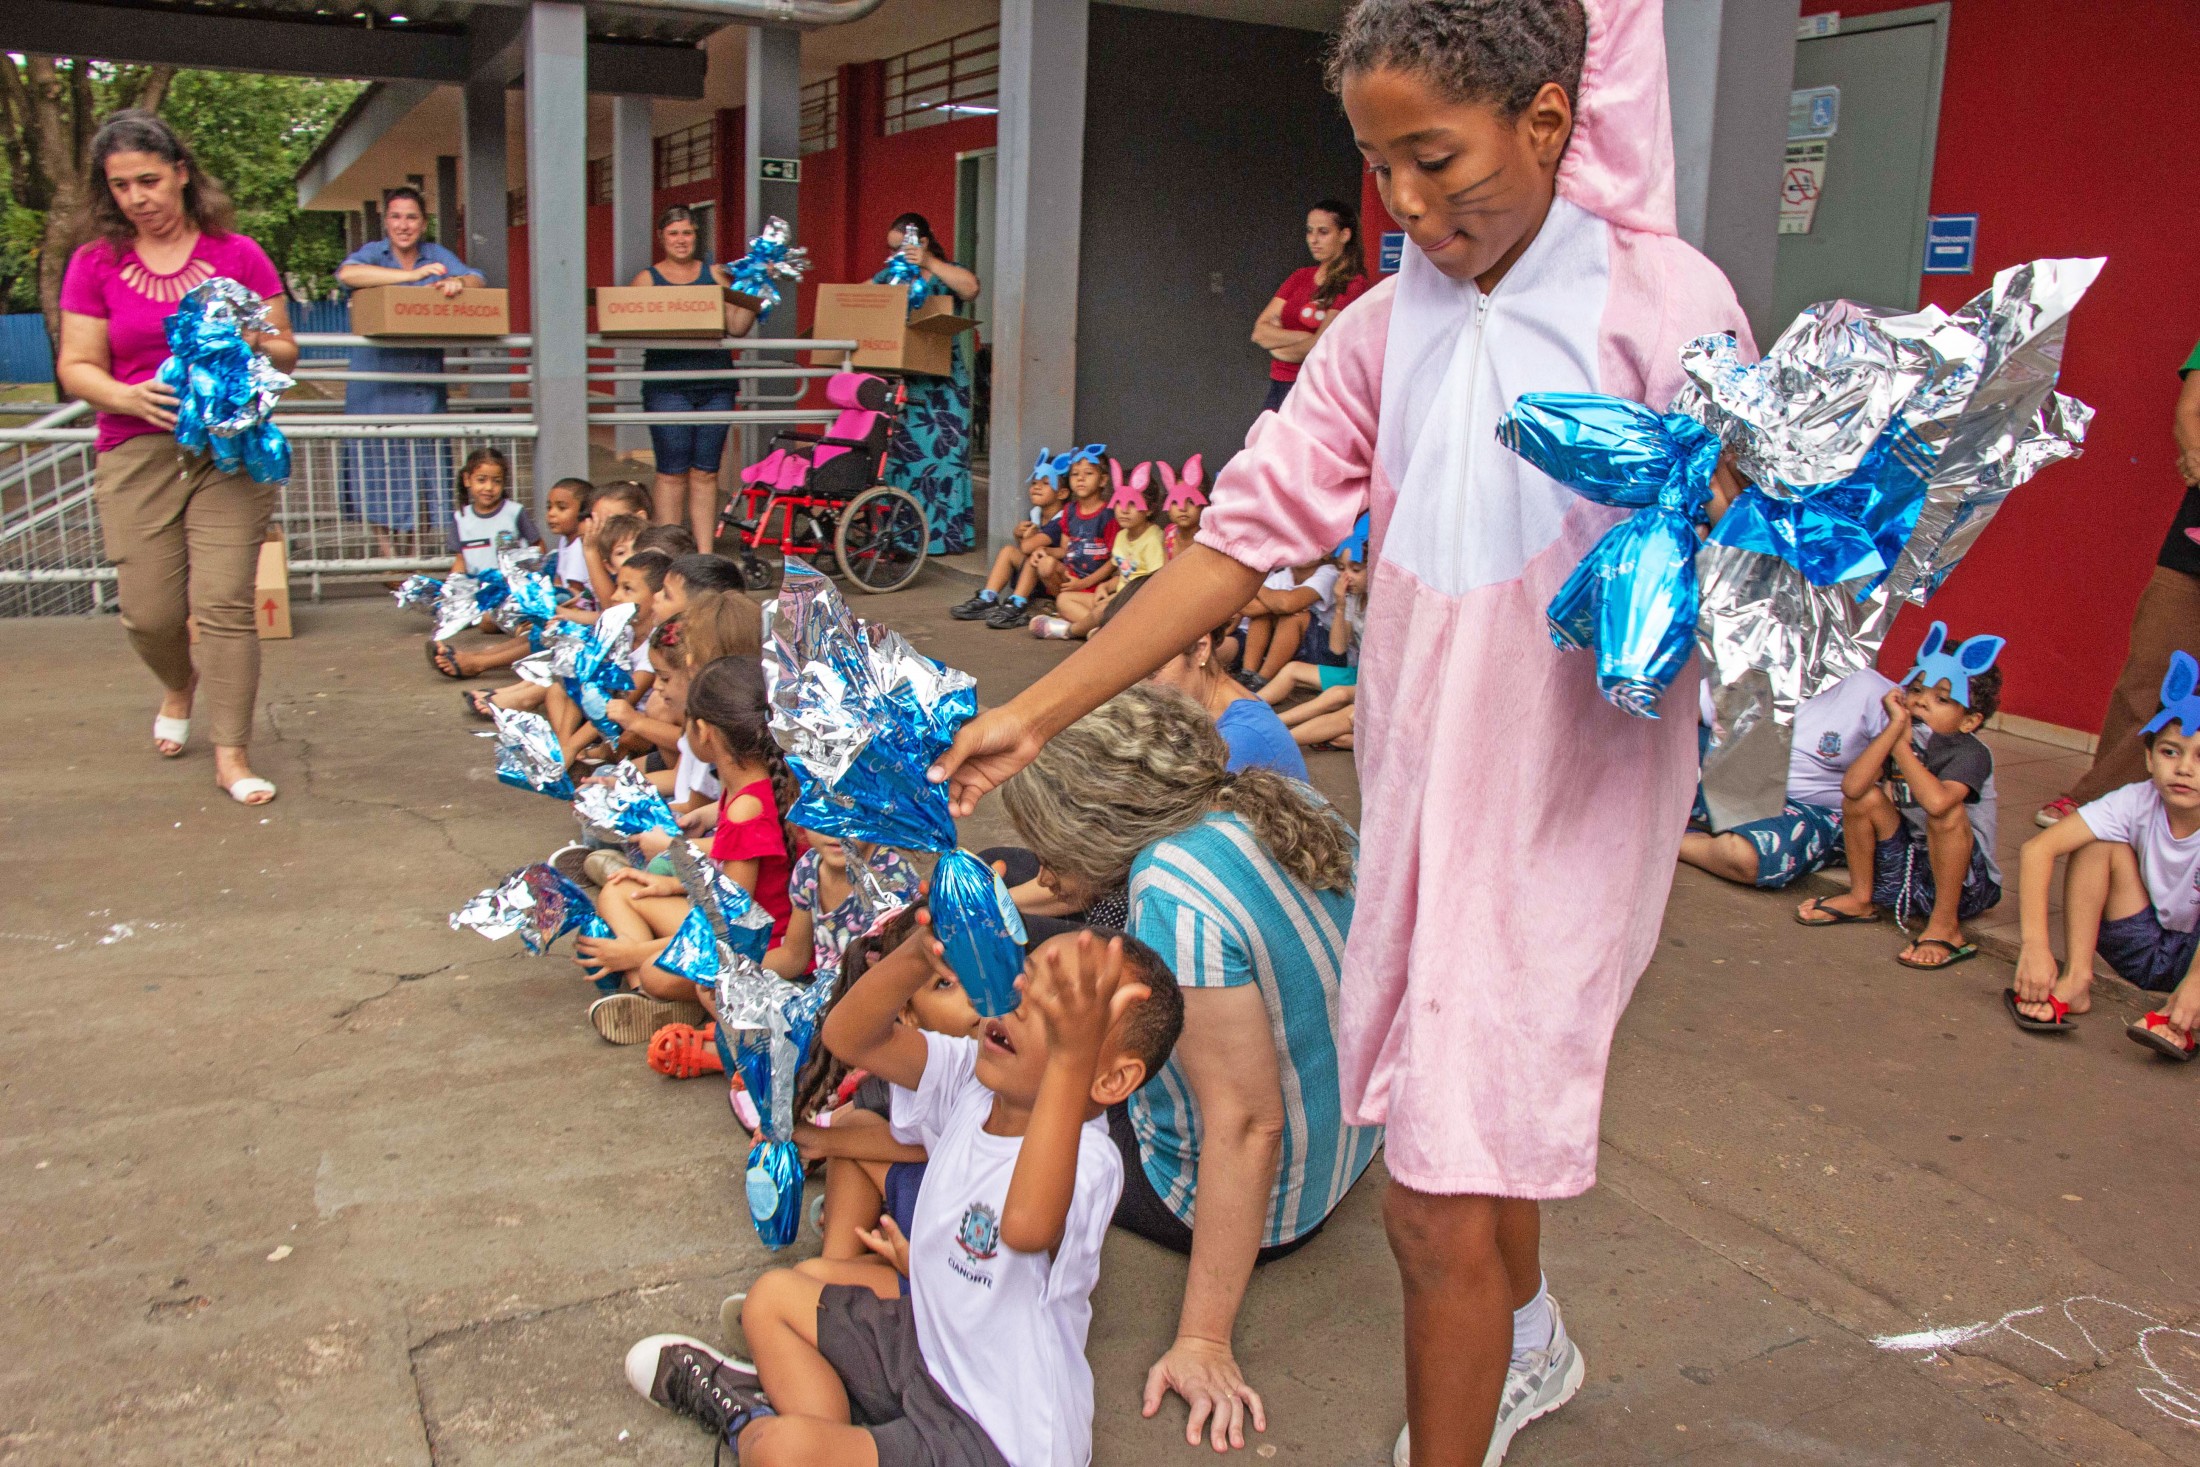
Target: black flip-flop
(476,700)
(1956,954)
(1835,919)
(2059,1024)
(2148,1032)
(443,649)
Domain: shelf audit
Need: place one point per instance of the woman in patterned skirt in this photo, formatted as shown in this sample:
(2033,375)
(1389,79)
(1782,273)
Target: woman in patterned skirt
(930,452)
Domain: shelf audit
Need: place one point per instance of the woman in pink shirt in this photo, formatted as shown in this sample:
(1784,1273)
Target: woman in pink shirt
(184,535)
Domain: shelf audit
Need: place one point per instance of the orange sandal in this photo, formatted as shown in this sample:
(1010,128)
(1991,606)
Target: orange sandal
(683,1051)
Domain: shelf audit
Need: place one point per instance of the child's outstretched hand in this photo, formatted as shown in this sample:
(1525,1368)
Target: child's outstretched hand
(887,1242)
(1079,992)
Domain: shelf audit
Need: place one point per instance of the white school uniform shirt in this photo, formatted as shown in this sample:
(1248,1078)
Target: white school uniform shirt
(1323,583)
(693,776)
(1002,1332)
(481,536)
(2135,815)
(1830,731)
(573,562)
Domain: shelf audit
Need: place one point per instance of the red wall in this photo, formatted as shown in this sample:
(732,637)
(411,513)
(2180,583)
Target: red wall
(2053,167)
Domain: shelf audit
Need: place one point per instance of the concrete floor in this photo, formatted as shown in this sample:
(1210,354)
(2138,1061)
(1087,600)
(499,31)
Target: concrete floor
(296,1173)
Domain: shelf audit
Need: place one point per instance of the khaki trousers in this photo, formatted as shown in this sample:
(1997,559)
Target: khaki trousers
(185,539)
(2168,619)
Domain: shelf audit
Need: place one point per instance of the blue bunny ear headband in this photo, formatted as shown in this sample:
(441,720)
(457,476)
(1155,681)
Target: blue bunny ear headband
(1049,468)
(1939,663)
(2179,705)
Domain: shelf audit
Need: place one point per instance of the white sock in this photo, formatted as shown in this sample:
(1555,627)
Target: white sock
(1532,1327)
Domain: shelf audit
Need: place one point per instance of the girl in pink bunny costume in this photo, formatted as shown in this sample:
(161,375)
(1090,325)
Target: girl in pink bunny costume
(1135,551)
(1519,832)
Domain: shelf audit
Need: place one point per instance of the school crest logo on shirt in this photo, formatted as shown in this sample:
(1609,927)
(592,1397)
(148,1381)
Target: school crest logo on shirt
(980,1232)
(1829,746)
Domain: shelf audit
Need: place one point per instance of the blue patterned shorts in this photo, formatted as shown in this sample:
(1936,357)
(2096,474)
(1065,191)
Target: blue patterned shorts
(1797,841)
(1902,879)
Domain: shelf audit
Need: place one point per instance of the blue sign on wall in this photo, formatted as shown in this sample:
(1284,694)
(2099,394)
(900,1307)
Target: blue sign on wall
(1392,253)
(1951,243)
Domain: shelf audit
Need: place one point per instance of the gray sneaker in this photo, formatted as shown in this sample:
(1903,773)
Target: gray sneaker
(1537,1384)
(688,1376)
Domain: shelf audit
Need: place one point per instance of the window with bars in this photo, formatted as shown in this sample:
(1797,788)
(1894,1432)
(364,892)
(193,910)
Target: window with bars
(599,180)
(950,79)
(821,115)
(687,156)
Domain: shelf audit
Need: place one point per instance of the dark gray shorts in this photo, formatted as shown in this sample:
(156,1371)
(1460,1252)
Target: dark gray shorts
(872,1344)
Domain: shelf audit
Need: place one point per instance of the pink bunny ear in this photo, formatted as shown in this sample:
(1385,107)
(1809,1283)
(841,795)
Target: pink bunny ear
(1194,474)
(1168,477)
(1115,472)
(1141,477)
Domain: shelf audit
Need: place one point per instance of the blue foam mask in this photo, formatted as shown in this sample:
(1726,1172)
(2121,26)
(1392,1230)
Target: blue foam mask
(2180,705)
(1939,663)
(1049,467)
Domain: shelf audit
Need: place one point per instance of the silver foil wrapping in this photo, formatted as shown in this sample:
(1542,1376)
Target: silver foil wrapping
(1970,396)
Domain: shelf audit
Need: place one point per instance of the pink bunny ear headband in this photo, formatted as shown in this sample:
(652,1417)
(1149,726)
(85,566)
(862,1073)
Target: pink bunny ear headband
(1133,494)
(1184,489)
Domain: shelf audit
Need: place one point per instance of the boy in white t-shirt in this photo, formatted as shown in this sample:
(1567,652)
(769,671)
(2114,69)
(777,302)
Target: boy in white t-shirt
(2132,890)
(1830,731)
(983,1364)
(1292,599)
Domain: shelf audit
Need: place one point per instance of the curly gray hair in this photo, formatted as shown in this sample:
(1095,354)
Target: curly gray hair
(1149,764)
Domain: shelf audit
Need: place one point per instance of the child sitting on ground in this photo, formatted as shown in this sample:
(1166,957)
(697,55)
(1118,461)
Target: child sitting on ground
(729,725)
(1048,495)
(826,916)
(640,579)
(1292,599)
(485,521)
(565,511)
(1324,720)
(872,1174)
(985,1360)
(1077,542)
(1831,732)
(1136,551)
(1182,506)
(1920,816)
(2132,890)
(619,499)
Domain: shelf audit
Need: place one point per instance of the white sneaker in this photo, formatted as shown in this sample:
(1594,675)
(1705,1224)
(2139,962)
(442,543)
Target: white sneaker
(1536,1384)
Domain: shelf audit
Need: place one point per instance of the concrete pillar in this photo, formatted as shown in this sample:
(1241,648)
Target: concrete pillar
(483,150)
(557,236)
(772,128)
(1730,65)
(446,203)
(633,239)
(1034,285)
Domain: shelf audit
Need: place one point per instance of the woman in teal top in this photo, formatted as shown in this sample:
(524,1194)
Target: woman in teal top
(930,452)
(688,454)
(1238,1150)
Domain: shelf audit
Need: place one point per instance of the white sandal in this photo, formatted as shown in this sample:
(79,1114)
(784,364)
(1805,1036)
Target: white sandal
(168,730)
(244,789)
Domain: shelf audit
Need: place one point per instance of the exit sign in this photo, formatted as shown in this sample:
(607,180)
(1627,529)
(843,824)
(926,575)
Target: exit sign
(779,170)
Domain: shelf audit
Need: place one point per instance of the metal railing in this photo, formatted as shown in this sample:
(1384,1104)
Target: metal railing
(370,495)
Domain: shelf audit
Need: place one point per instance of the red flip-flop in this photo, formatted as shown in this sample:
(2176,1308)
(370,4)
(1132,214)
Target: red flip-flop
(2059,1024)
(682,1051)
(2148,1031)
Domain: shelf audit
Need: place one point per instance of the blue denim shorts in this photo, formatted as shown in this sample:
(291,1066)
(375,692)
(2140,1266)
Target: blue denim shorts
(1902,879)
(2144,952)
(1797,841)
(680,447)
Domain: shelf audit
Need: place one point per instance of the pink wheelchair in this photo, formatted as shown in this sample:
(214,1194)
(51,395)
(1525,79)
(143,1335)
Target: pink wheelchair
(822,495)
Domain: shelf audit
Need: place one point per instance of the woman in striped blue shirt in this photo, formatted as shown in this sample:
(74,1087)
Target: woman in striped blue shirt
(1237,1151)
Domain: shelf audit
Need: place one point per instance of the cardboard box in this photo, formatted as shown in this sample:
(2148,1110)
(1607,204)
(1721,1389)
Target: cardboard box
(663,310)
(270,592)
(423,310)
(888,336)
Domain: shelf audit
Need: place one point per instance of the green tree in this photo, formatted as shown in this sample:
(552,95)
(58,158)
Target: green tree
(252,132)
